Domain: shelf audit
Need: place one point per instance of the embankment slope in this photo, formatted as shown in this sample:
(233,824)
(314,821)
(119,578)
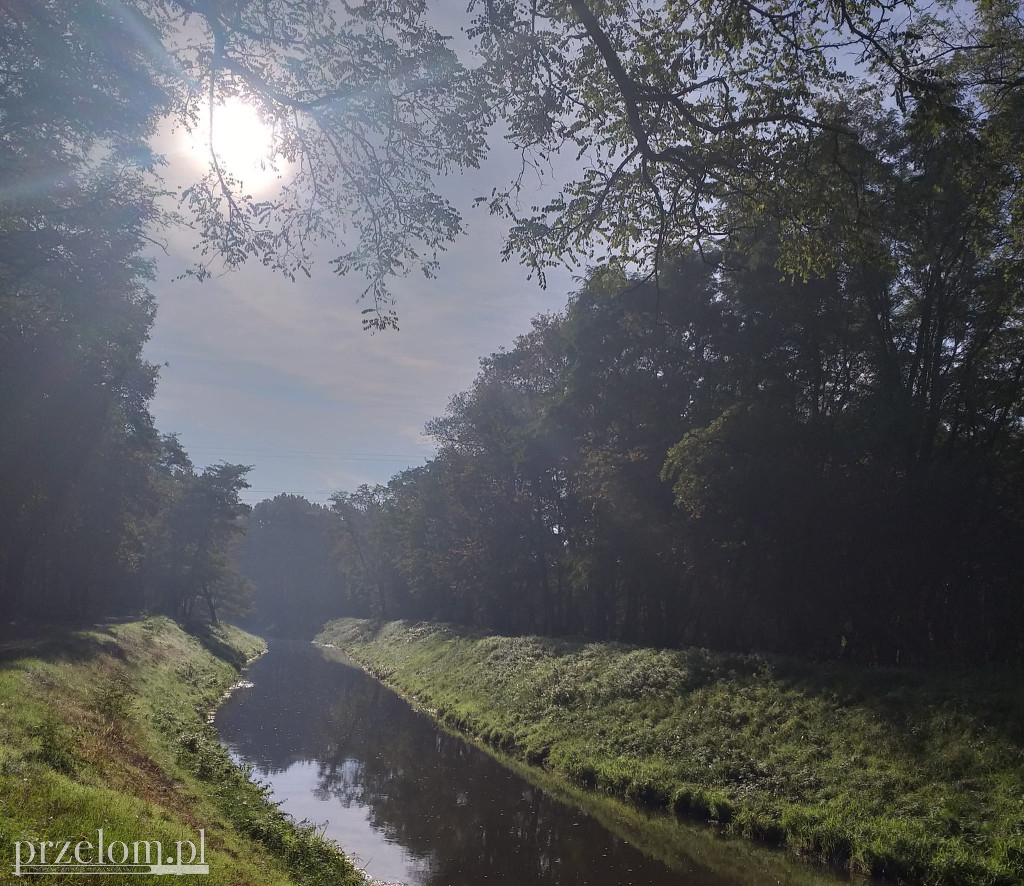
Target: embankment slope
(106,728)
(895,773)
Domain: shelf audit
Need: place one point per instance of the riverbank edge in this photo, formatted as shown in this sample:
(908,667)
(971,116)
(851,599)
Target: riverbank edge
(681,843)
(109,727)
(407,656)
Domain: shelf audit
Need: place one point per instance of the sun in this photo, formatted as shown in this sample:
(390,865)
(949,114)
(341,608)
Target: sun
(243,143)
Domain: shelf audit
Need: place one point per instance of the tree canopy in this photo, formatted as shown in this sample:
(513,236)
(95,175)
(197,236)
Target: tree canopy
(674,112)
(682,116)
(727,458)
(784,410)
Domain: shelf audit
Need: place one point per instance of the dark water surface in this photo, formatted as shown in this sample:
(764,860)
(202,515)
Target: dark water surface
(413,803)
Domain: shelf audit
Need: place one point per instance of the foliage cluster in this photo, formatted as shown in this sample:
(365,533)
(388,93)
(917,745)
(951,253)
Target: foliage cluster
(672,111)
(898,773)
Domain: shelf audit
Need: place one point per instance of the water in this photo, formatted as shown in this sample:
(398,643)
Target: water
(415,804)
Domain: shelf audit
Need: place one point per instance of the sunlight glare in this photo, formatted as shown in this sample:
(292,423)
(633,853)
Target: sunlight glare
(242,141)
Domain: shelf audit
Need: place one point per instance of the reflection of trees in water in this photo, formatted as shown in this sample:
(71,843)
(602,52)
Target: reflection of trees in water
(343,781)
(424,787)
(458,811)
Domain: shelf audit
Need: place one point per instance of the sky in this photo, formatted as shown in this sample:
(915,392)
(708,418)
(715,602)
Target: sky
(258,370)
(281,375)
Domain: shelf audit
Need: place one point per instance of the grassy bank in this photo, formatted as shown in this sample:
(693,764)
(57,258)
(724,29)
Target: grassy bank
(901,774)
(106,728)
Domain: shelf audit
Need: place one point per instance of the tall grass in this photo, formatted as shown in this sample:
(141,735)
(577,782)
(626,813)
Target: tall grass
(106,729)
(903,774)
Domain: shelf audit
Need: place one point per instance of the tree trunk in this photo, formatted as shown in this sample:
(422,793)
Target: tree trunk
(209,604)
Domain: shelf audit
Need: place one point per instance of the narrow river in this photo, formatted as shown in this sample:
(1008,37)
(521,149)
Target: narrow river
(415,804)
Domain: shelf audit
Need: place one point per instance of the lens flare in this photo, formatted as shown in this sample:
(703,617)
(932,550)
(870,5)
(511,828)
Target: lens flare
(242,142)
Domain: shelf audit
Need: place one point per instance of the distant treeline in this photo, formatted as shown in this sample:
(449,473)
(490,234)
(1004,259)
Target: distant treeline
(289,555)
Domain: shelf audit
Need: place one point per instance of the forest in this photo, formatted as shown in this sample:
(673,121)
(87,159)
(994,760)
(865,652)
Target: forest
(732,460)
(783,411)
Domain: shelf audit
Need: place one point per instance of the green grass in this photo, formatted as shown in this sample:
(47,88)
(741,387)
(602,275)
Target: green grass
(106,728)
(903,774)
